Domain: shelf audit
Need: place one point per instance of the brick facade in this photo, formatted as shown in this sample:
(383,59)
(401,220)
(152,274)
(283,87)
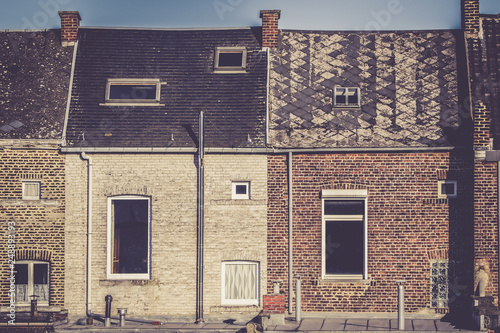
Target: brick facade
(408,225)
(234,230)
(39,224)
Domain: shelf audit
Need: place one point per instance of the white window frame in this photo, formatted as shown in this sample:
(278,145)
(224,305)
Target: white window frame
(31,182)
(132,101)
(224,300)
(31,284)
(236,196)
(109,269)
(336,91)
(447,195)
(342,195)
(230,69)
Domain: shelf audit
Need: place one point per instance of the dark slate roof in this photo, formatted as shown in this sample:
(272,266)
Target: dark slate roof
(490,72)
(34,81)
(409,84)
(234,104)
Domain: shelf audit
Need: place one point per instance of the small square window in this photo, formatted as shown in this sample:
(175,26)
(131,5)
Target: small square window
(133,91)
(346,97)
(230,59)
(241,190)
(31,190)
(447,189)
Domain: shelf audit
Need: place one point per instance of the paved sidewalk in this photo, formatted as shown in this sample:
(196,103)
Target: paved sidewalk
(307,325)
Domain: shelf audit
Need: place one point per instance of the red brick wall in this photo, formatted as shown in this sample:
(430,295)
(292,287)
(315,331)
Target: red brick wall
(486,223)
(407,225)
(274,303)
(39,224)
(270,27)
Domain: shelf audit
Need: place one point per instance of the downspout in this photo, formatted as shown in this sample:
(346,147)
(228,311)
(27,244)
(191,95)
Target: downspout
(89,231)
(70,89)
(201,190)
(290,233)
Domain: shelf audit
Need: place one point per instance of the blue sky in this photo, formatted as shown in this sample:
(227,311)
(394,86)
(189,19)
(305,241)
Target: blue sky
(295,14)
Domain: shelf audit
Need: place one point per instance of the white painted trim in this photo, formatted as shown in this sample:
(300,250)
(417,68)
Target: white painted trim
(341,193)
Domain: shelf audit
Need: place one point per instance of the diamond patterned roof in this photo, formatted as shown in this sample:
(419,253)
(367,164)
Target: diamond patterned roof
(407,80)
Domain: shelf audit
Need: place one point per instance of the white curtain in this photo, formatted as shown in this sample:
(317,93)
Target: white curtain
(241,281)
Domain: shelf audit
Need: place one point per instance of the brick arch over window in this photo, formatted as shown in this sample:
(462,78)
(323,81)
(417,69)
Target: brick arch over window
(438,254)
(347,186)
(42,255)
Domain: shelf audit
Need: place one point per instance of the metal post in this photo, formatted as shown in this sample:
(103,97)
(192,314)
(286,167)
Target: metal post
(34,310)
(298,300)
(107,315)
(122,312)
(401,305)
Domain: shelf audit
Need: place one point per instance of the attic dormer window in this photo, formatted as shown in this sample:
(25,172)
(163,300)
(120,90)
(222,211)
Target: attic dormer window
(230,59)
(132,91)
(346,97)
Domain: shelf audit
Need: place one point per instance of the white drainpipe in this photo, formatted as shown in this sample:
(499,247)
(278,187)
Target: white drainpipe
(89,231)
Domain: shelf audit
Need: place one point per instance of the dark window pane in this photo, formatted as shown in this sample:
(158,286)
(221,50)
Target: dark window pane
(344,248)
(40,273)
(353,97)
(117,91)
(448,188)
(241,189)
(130,236)
(344,207)
(21,273)
(231,59)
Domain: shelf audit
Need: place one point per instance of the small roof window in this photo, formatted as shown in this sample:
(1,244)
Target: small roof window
(346,97)
(133,91)
(230,59)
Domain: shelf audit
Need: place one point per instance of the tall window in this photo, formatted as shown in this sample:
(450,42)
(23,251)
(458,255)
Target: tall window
(240,283)
(32,278)
(344,234)
(128,237)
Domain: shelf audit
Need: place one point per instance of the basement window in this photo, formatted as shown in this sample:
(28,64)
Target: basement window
(31,190)
(240,283)
(32,278)
(230,59)
(346,97)
(241,190)
(447,189)
(131,91)
(129,238)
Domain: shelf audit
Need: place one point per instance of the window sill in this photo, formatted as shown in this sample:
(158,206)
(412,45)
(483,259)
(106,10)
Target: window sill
(331,280)
(236,71)
(131,104)
(21,202)
(241,202)
(131,282)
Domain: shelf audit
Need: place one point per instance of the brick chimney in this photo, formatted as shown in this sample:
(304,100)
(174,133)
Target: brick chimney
(270,27)
(470,18)
(70,21)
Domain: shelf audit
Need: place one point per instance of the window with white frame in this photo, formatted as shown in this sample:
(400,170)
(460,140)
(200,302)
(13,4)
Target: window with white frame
(344,234)
(129,238)
(241,190)
(346,97)
(31,189)
(240,283)
(447,189)
(32,278)
(133,91)
(230,59)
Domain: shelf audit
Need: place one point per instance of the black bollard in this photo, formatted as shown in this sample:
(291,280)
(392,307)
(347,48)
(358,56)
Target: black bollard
(107,319)
(34,310)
